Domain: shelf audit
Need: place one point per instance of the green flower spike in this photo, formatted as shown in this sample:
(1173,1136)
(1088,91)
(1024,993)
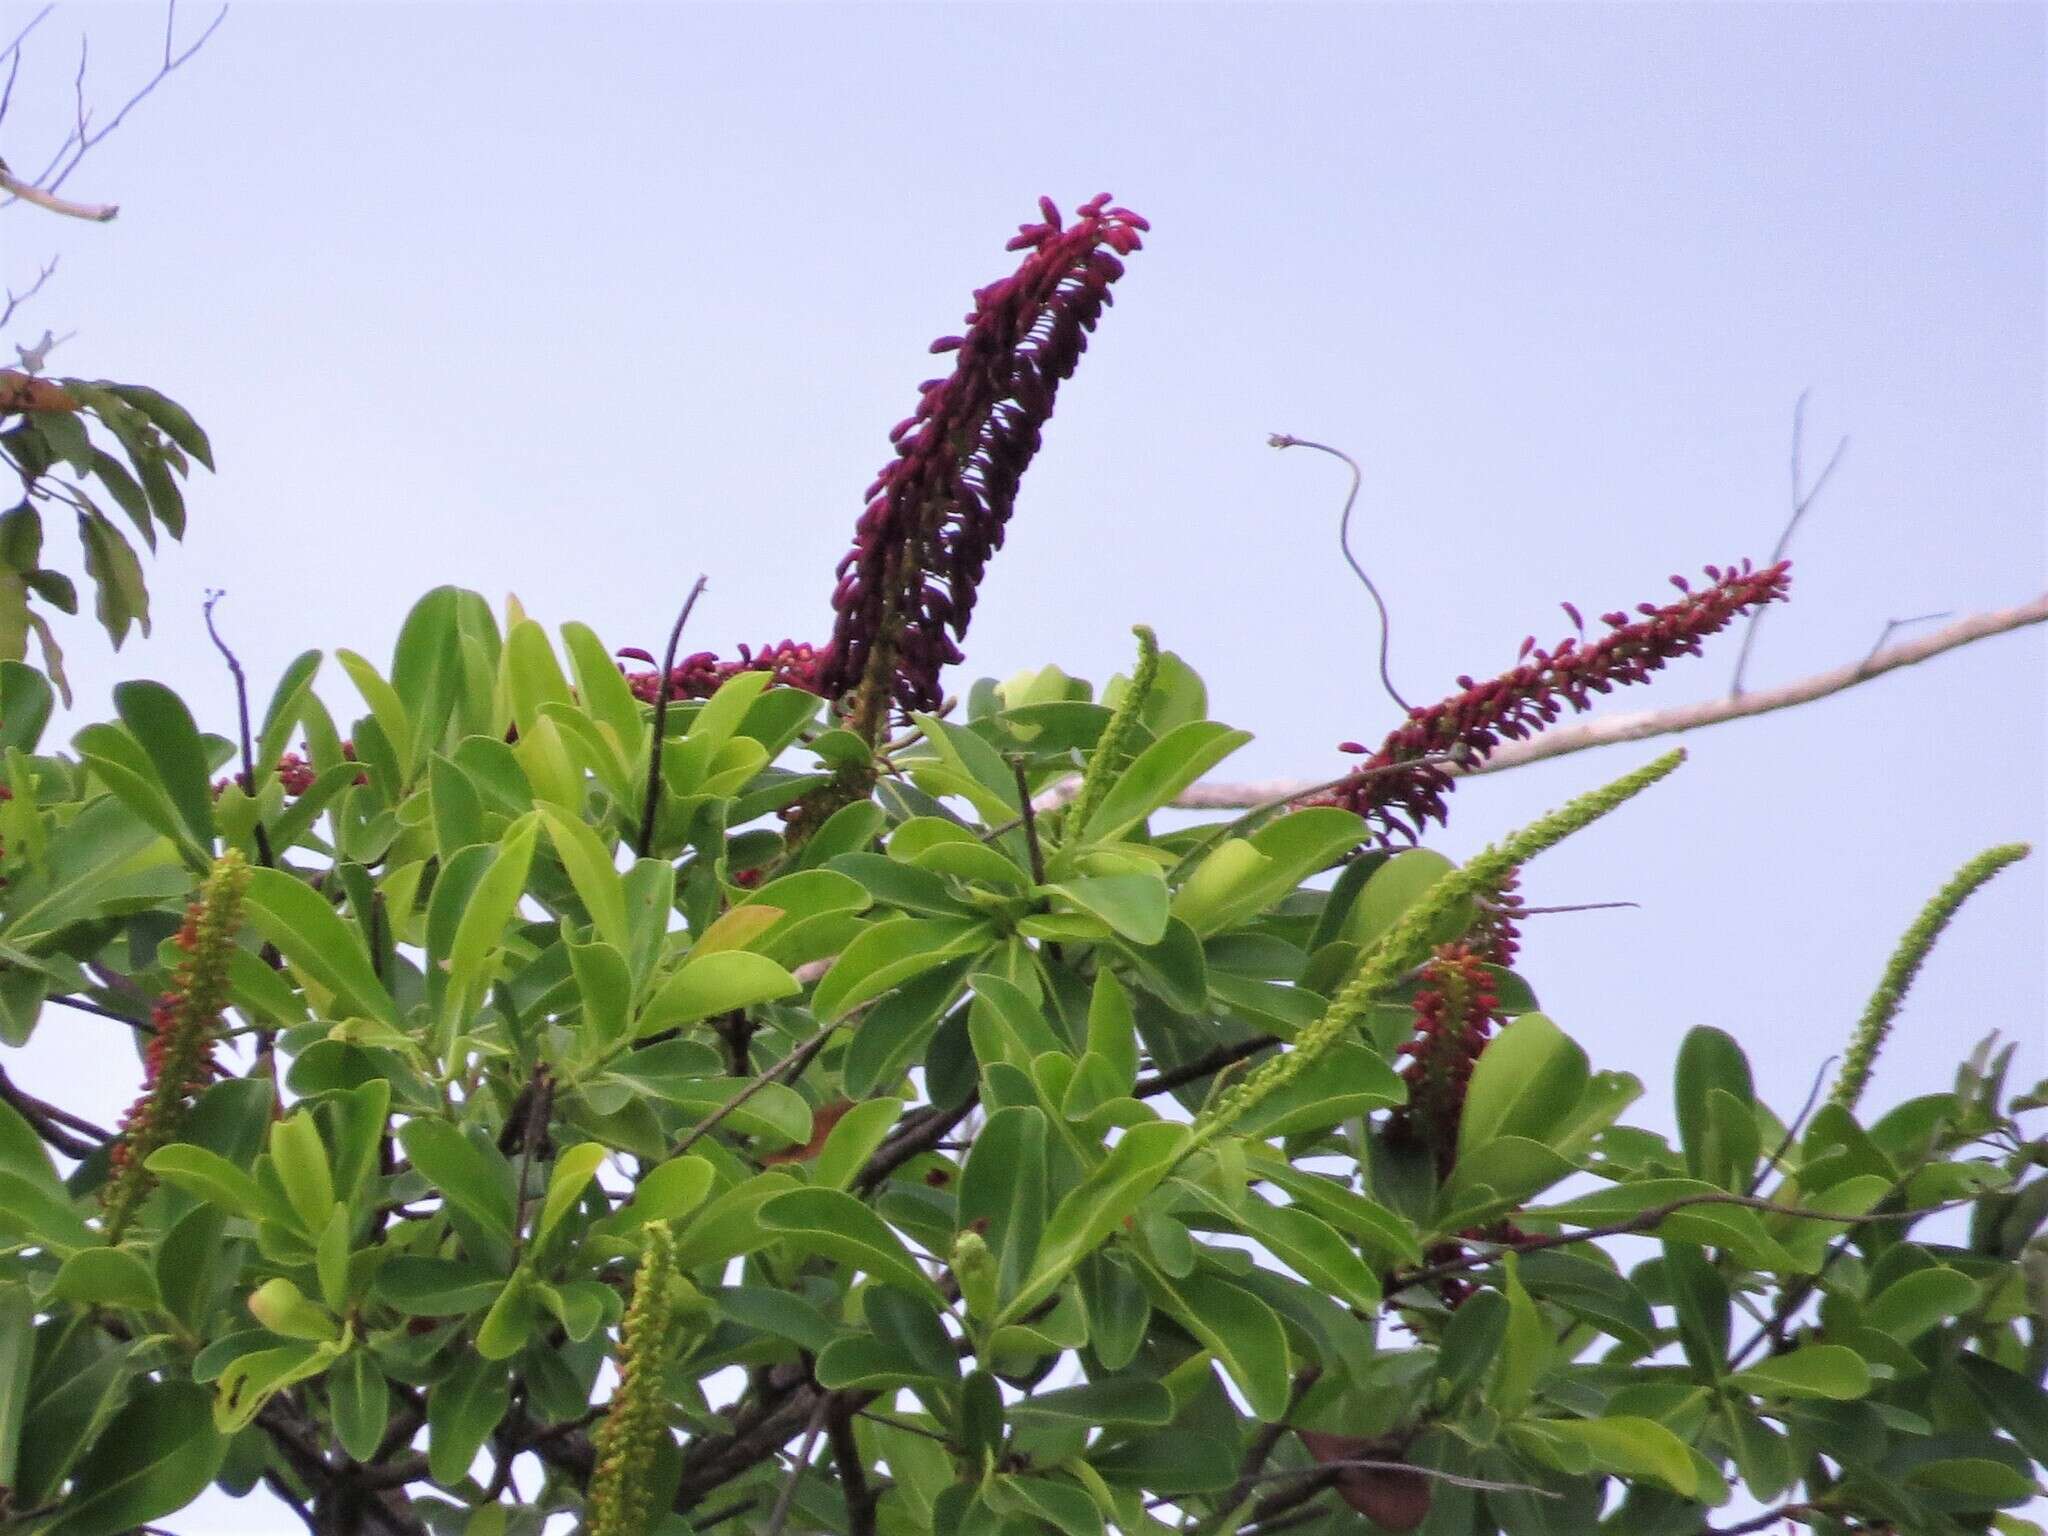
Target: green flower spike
(630,1438)
(1905,964)
(1413,939)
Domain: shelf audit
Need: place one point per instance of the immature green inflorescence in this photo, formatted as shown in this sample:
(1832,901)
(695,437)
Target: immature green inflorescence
(186,1021)
(1113,748)
(630,1438)
(1905,963)
(1414,937)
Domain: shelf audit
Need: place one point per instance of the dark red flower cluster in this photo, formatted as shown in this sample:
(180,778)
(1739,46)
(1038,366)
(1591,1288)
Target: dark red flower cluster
(794,664)
(295,774)
(1455,1014)
(936,513)
(1543,685)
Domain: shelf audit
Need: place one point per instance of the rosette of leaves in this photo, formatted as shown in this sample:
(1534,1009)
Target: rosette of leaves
(87,446)
(989,1210)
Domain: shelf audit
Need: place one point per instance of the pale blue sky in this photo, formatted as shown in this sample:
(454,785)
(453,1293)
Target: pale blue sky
(580,301)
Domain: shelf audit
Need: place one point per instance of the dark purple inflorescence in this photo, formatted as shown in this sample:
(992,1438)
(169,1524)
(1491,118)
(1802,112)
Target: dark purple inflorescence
(936,512)
(1401,785)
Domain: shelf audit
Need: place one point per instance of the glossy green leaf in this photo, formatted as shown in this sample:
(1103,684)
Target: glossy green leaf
(152,1460)
(361,1403)
(1158,774)
(161,722)
(462,1410)
(1811,1371)
(573,1171)
(1526,1081)
(306,929)
(1134,906)
(716,983)
(474,1182)
(1914,1303)
(1097,1206)
(107,1277)
(891,953)
(829,1222)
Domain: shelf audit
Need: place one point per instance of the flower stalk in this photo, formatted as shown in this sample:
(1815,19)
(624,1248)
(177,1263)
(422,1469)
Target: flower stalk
(1413,938)
(1113,749)
(621,1494)
(179,1062)
(1912,951)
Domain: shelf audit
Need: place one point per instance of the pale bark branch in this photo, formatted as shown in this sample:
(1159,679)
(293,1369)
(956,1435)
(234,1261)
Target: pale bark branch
(1640,725)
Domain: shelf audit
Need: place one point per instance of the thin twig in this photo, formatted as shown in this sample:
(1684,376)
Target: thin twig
(788,1067)
(1893,626)
(32,357)
(661,689)
(853,1476)
(1285,440)
(1643,1221)
(1374,1464)
(1642,725)
(540,1102)
(1193,1071)
(54,1125)
(1802,500)
(787,1498)
(263,850)
(1792,1131)
(81,140)
(1030,820)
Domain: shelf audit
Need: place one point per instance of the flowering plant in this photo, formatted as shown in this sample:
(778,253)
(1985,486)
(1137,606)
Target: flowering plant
(764,1095)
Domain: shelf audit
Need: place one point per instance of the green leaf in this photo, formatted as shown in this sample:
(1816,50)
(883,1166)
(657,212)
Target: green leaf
(1158,774)
(1305,1244)
(285,1310)
(473,1183)
(159,720)
(1115,1401)
(300,1159)
(463,1408)
(1240,1330)
(1097,1206)
(153,1459)
(674,1188)
(361,1403)
(859,1132)
(719,982)
(834,1224)
(107,1277)
(385,706)
(1627,1447)
(1390,890)
(17,1360)
(507,1326)
(1004,1184)
(891,953)
(1527,1081)
(1134,906)
(169,417)
(430,1287)
(1525,1347)
(1914,1303)
(573,1171)
(492,905)
(1814,1371)
(1710,1061)
(121,598)
(308,932)
(592,872)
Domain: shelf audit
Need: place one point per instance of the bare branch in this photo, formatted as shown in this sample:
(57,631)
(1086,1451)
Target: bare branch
(1802,499)
(83,137)
(98,213)
(32,357)
(1641,725)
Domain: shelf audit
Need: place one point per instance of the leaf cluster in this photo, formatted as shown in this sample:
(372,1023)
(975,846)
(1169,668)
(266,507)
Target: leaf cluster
(909,1098)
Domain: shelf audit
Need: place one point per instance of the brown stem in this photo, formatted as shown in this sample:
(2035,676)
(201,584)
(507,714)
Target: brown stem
(661,690)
